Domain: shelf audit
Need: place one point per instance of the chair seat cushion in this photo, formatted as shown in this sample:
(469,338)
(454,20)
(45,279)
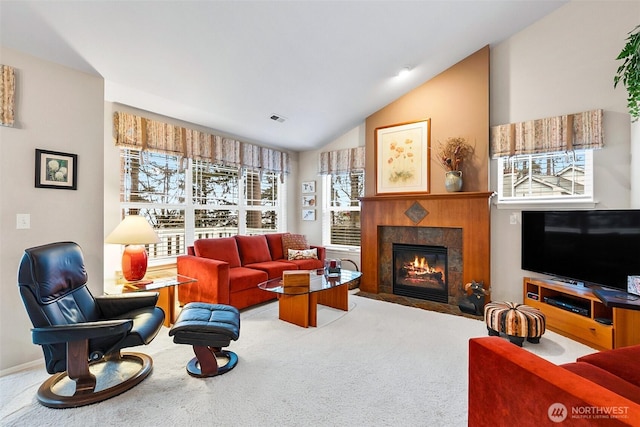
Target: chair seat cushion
(605,379)
(147,322)
(242,278)
(273,269)
(206,324)
(307,264)
(617,362)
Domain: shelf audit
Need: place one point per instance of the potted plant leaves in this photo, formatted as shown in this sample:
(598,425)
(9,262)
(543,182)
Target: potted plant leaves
(629,72)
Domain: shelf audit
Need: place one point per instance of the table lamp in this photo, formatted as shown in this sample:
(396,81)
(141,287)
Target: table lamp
(134,232)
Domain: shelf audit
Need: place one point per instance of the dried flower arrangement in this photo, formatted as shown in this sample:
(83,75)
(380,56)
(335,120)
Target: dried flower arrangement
(454,152)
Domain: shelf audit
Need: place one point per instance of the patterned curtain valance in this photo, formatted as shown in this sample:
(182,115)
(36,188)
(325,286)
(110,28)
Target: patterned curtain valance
(552,134)
(341,161)
(7,94)
(138,133)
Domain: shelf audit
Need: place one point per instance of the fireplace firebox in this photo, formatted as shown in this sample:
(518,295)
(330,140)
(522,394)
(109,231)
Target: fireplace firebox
(420,271)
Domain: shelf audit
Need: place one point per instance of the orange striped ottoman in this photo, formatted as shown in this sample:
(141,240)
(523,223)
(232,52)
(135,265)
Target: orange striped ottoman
(516,321)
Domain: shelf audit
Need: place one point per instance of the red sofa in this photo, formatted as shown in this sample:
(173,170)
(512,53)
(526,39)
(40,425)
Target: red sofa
(509,385)
(229,269)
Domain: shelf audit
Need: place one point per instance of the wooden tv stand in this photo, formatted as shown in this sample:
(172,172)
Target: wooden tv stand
(623,331)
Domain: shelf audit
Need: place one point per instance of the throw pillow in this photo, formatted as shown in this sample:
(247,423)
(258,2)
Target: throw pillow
(303,254)
(294,241)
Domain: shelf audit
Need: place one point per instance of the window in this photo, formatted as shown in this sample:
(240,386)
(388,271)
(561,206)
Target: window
(341,213)
(261,199)
(546,177)
(185,200)
(216,195)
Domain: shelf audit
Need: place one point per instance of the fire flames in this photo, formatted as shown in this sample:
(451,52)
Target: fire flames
(418,267)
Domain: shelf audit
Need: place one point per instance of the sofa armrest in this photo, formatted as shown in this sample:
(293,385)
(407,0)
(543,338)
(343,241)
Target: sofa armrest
(321,251)
(212,280)
(505,380)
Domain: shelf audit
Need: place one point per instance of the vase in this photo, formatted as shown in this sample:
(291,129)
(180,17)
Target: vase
(453,181)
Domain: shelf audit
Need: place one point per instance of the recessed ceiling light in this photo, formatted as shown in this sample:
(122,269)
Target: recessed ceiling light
(404,71)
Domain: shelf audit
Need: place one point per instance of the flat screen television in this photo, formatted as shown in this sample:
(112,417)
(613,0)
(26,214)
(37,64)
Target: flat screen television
(596,247)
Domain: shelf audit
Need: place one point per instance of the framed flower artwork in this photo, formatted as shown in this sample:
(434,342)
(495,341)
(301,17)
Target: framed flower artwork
(402,157)
(56,170)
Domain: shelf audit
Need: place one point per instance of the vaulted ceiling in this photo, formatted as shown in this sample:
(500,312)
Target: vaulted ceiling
(323,66)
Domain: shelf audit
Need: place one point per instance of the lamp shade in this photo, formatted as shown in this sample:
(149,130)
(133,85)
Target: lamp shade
(134,231)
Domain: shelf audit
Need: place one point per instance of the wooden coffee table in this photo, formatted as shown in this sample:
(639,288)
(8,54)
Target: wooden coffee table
(299,304)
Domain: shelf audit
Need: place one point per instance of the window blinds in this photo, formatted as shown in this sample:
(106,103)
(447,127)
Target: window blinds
(138,133)
(561,133)
(342,161)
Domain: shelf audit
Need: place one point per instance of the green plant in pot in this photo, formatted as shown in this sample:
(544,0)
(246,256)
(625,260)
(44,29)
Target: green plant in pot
(629,72)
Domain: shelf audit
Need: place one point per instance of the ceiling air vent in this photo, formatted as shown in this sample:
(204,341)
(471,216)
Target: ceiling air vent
(278,118)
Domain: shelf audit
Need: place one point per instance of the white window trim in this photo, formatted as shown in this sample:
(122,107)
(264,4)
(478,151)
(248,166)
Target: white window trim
(569,202)
(326,218)
(189,208)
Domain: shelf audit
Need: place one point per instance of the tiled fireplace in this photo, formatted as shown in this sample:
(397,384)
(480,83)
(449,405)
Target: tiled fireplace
(441,249)
(457,222)
(420,271)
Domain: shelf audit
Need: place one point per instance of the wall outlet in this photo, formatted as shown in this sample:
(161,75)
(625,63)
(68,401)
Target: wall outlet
(514,218)
(23,221)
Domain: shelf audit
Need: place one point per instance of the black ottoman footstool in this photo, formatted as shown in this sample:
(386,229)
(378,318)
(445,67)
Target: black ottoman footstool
(208,328)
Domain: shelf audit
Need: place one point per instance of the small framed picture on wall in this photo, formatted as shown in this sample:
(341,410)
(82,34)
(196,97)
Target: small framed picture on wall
(308,201)
(308,214)
(308,187)
(56,170)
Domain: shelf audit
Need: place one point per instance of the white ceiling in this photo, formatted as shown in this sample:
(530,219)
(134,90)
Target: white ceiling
(229,65)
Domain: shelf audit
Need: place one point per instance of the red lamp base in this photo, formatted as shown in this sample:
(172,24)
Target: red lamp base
(134,262)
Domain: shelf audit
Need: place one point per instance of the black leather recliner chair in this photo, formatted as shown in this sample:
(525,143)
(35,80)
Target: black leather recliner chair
(79,332)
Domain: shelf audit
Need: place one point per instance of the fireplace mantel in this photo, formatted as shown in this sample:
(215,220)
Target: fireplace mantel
(469,211)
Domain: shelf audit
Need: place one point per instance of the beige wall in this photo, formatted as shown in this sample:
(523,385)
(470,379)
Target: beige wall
(457,102)
(58,109)
(562,64)
(308,171)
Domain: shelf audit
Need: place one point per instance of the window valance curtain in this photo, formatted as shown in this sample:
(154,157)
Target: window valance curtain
(139,133)
(7,94)
(552,134)
(342,161)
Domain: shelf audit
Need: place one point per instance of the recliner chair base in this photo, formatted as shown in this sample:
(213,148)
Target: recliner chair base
(59,390)
(210,362)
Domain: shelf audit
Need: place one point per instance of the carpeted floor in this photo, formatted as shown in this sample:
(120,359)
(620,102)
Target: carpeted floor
(378,364)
